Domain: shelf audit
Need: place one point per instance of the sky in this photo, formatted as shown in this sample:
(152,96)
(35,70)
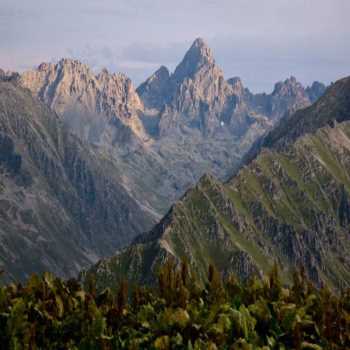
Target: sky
(261,41)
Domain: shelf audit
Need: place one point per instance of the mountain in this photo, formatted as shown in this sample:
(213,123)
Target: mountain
(287,97)
(197,98)
(290,203)
(208,120)
(72,90)
(105,111)
(61,204)
(154,92)
(316,90)
(173,128)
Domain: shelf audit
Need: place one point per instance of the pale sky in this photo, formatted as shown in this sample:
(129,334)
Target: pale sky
(262,41)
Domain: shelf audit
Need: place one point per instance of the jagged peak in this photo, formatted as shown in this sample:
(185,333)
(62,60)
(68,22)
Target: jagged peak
(154,91)
(236,84)
(70,61)
(161,74)
(63,64)
(316,85)
(290,85)
(316,90)
(291,79)
(200,51)
(319,83)
(202,46)
(74,65)
(197,56)
(104,71)
(162,70)
(104,74)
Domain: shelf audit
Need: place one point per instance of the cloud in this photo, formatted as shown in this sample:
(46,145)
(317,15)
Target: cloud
(149,52)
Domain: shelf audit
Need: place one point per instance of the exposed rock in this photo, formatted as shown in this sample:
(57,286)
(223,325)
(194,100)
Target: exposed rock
(72,90)
(198,56)
(315,91)
(155,91)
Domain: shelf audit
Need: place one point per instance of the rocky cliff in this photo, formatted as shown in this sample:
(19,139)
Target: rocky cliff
(62,205)
(289,203)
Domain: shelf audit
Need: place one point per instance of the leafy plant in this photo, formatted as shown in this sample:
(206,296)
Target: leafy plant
(49,313)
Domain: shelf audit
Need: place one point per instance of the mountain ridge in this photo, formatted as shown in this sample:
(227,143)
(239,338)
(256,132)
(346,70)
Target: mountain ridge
(289,204)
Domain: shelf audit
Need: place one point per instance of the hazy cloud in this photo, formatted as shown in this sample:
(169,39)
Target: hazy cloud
(260,40)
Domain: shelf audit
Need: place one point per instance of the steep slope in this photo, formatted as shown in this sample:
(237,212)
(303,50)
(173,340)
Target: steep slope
(61,204)
(290,204)
(154,92)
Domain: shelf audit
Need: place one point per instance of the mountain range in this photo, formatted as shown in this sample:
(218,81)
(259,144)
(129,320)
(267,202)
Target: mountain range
(173,128)
(88,162)
(289,203)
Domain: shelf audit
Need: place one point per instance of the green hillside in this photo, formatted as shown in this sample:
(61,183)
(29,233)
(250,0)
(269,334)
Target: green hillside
(289,204)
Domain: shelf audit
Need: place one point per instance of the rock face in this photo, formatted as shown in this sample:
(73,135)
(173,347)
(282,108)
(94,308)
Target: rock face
(155,91)
(290,203)
(196,98)
(287,97)
(171,130)
(72,90)
(61,204)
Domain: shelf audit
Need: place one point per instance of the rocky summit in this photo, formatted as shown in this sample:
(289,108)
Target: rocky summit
(173,128)
(72,90)
(289,203)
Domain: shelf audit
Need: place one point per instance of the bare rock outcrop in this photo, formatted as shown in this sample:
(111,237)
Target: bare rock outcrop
(72,90)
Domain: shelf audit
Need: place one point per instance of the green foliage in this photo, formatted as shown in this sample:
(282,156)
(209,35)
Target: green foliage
(48,313)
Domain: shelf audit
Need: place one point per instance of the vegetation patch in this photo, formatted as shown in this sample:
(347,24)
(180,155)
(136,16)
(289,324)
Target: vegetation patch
(180,313)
